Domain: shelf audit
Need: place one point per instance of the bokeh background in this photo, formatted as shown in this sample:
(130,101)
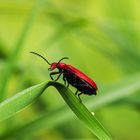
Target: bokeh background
(101,38)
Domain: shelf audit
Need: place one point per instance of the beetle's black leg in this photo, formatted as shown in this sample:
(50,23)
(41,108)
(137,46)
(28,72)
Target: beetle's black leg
(58,76)
(65,81)
(79,96)
(54,73)
(76,92)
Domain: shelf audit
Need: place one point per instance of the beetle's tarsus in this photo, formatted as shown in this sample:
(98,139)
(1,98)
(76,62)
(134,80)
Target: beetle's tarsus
(76,92)
(79,96)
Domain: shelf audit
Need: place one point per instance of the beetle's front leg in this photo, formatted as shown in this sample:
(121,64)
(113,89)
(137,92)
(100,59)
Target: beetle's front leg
(54,73)
(60,72)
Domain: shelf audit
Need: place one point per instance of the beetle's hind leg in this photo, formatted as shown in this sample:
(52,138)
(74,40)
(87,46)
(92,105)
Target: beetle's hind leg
(76,92)
(79,96)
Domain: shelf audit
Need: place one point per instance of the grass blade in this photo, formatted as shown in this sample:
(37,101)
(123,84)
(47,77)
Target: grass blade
(26,97)
(14,104)
(18,46)
(82,112)
(123,89)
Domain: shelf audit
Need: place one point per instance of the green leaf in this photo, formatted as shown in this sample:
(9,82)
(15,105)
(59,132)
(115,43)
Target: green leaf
(82,112)
(121,90)
(14,104)
(26,97)
(10,64)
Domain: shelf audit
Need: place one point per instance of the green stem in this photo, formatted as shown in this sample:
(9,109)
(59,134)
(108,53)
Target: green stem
(18,46)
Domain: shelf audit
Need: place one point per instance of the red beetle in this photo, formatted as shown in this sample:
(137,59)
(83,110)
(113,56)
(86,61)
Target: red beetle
(73,76)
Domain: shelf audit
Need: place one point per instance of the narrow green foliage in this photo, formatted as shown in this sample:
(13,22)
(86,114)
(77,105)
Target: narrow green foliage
(26,97)
(123,89)
(22,99)
(82,112)
(18,46)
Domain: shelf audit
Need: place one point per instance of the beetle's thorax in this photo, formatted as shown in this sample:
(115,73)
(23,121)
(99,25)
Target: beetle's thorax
(57,65)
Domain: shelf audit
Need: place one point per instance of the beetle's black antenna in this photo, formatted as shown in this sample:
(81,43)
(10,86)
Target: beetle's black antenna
(41,57)
(62,59)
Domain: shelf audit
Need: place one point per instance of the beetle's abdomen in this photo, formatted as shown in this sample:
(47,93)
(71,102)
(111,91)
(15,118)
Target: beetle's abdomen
(79,83)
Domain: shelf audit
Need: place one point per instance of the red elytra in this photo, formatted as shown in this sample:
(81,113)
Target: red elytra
(77,72)
(73,76)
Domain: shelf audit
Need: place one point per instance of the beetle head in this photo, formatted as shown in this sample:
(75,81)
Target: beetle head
(53,66)
(57,64)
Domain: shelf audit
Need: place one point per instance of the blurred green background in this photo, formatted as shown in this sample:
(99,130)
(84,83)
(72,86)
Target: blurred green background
(101,38)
